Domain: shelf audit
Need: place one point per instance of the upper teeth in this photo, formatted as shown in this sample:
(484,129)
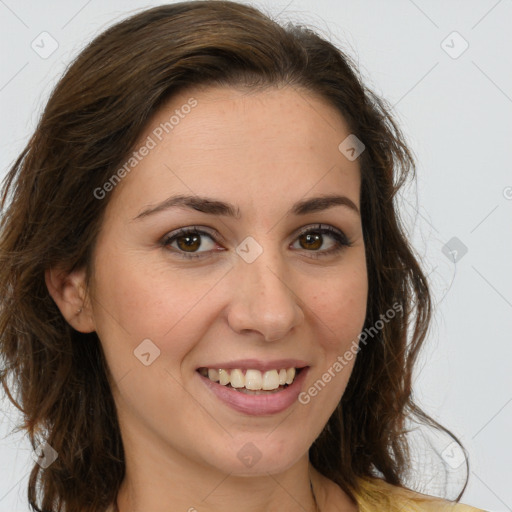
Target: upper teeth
(253,379)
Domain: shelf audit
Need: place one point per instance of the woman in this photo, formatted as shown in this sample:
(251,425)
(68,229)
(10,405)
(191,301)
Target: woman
(206,288)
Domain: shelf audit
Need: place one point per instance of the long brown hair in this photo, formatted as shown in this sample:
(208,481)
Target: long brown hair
(51,216)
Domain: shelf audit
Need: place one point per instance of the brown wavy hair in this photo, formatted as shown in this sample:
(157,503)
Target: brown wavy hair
(58,377)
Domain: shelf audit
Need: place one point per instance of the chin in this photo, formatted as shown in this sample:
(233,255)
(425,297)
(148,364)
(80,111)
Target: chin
(258,455)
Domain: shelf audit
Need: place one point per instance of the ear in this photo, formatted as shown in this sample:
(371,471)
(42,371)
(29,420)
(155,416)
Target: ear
(69,292)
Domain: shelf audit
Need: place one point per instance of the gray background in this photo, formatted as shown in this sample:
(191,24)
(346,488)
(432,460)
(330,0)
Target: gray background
(455,108)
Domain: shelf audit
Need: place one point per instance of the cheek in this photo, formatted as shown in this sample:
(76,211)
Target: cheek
(340,313)
(132,304)
(144,299)
(340,308)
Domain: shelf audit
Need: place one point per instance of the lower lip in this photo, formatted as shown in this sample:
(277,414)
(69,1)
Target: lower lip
(258,405)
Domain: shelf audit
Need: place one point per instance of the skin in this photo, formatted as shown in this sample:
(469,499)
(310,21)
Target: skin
(261,151)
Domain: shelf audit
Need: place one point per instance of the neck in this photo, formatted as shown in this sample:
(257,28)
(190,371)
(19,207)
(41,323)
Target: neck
(190,489)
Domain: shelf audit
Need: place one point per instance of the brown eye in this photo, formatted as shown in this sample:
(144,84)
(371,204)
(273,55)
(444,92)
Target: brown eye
(309,241)
(189,242)
(186,242)
(312,240)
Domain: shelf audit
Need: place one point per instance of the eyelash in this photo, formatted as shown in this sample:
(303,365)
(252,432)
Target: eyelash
(341,241)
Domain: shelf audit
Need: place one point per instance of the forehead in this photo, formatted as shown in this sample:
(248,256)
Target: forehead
(260,146)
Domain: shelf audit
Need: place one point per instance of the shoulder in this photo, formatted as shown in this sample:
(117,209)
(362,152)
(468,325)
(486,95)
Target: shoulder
(377,495)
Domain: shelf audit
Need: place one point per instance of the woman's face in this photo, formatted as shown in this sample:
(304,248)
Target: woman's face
(256,287)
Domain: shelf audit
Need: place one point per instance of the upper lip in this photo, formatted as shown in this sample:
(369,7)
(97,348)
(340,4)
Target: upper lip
(257,364)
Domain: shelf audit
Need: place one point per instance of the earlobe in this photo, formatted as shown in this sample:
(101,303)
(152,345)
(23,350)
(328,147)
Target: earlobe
(69,292)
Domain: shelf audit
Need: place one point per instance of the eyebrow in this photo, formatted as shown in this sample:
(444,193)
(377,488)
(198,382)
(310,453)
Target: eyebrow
(215,207)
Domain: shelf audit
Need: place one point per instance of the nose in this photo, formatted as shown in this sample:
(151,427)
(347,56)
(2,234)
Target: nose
(263,299)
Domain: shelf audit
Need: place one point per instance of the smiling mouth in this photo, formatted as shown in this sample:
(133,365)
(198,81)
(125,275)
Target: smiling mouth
(252,381)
